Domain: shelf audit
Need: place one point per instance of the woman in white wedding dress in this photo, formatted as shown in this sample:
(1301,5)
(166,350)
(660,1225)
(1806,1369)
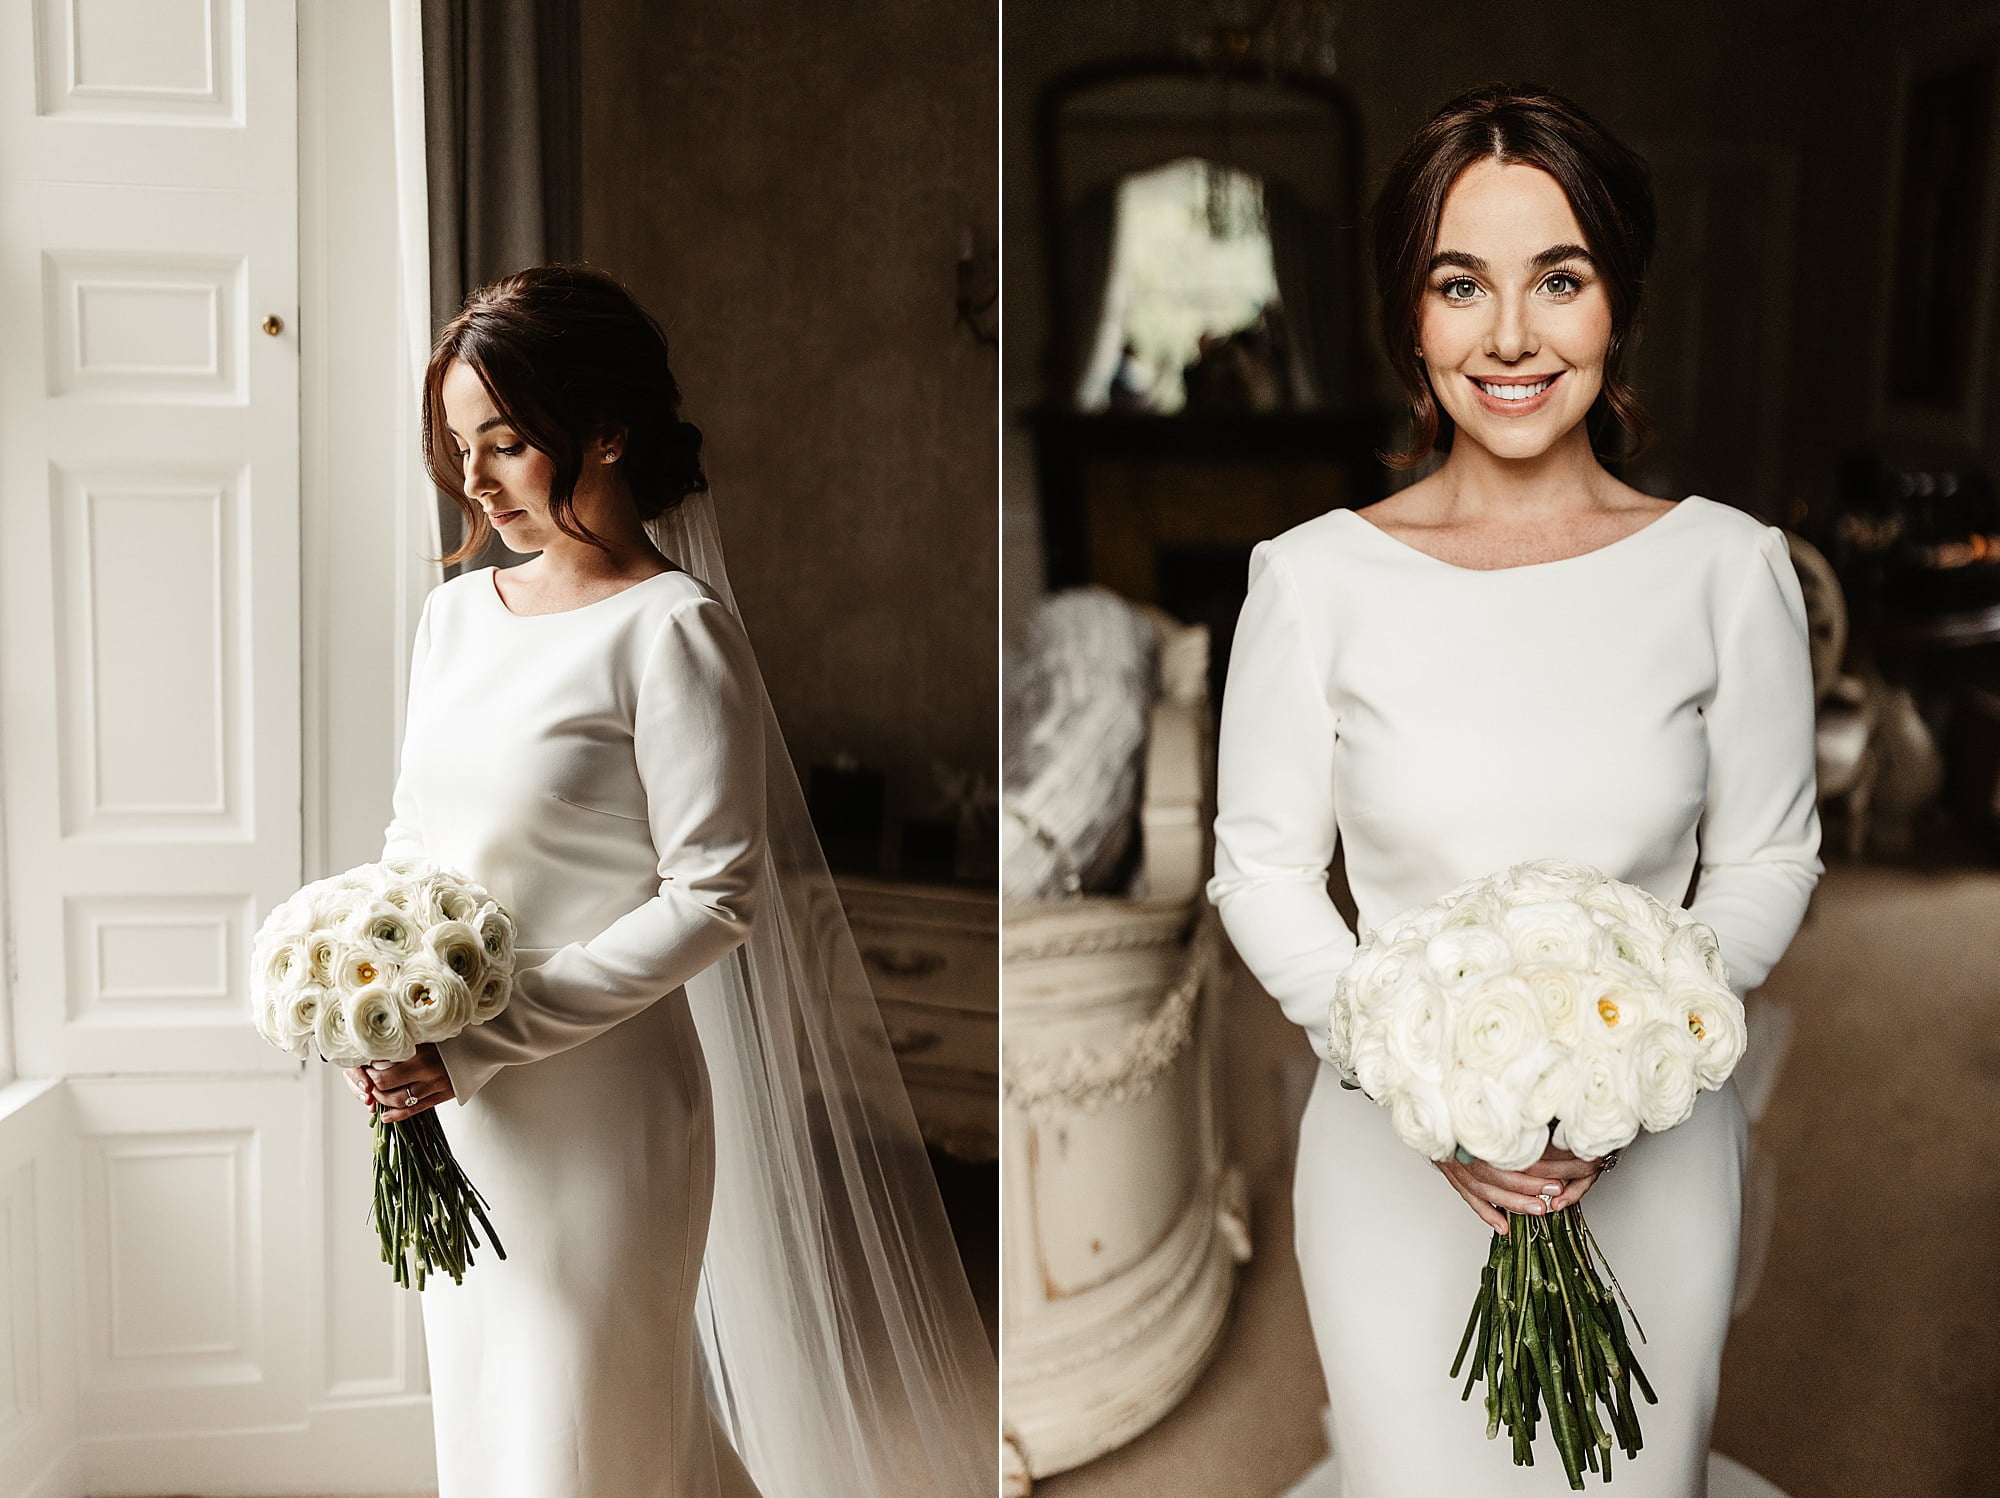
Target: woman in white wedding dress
(1517,656)
(588,736)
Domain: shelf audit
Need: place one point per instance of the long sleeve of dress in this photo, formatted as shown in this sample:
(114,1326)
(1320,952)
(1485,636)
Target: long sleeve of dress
(1760,829)
(1274,829)
(698,740)
(404,836)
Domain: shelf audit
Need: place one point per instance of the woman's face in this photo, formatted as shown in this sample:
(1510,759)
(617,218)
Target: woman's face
(1515,322)
(502,474)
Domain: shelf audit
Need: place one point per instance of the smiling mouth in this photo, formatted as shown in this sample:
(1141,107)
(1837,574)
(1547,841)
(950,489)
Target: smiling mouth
(1515,390)
(501,517)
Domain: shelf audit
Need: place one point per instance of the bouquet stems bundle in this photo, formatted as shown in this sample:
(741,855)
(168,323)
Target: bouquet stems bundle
(424,1203)
(1545,1331)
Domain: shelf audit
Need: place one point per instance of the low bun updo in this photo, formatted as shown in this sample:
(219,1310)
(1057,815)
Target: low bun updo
(567,356)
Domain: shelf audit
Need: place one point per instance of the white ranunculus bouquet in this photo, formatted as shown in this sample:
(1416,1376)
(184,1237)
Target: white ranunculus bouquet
(366,966)
(1548,1003)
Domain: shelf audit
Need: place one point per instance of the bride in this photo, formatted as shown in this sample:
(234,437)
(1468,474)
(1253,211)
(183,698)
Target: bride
(1515,657)
(727,1270)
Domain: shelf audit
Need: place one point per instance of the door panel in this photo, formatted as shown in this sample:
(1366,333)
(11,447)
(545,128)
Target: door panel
(150,692)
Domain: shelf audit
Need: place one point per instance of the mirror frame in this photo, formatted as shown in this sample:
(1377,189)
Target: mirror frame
(1059,345)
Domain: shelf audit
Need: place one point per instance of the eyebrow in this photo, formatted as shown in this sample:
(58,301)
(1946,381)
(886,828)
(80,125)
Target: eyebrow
(1555,254)
(485,426)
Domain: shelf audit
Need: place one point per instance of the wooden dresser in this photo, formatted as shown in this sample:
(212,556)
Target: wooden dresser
(932,952)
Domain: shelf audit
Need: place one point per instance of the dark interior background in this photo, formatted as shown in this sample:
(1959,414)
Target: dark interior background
(791,191)
(1769,129)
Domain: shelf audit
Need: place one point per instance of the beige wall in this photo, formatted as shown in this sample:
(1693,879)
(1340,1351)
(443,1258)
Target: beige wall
(786,186)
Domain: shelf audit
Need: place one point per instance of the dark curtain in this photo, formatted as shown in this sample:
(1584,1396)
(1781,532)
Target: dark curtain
(1087,272)
(1303,254)
(503,137)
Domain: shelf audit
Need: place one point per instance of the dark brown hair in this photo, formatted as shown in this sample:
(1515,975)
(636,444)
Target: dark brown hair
(566,355)
(1610,191)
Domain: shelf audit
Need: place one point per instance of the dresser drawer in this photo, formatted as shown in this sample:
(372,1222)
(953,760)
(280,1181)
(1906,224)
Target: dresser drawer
(926,945)
(931,1038)
(932,955)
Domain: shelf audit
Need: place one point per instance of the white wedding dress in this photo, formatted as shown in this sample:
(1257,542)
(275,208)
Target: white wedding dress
(1645,707)
(601,770)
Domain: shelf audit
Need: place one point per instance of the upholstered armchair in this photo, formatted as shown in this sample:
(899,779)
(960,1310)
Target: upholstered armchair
(1878,761)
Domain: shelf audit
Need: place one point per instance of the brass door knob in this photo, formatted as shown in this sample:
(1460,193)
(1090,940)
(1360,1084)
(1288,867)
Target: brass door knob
(274,325)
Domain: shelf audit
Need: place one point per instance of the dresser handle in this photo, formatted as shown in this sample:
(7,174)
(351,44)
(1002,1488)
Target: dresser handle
(913,1042)
(902,962)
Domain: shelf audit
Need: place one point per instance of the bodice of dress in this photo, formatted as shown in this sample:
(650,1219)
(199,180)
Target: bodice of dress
(601,771)
(1646,707)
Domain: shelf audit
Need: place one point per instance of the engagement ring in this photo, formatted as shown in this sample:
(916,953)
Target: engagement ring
(410,1097)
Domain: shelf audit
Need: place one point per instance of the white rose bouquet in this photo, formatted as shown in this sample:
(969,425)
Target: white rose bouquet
(366,966)
(1546,1003)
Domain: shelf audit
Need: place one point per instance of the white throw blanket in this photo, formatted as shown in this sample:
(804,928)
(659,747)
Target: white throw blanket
(1079,698)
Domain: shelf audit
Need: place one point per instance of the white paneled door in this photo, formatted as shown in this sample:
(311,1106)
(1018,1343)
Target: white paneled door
(149,717)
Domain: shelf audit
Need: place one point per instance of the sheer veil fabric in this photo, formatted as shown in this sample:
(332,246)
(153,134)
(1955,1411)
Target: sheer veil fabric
(844,1355)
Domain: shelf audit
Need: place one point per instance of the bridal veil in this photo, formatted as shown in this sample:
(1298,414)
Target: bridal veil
(844,1355)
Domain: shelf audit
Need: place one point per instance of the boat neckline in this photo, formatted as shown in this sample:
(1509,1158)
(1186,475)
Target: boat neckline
(1596,551)
(493,588)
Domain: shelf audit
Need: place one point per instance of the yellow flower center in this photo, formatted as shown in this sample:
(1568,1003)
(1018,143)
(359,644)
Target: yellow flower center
(1607,1011)
(421,994)
(366,972)
(1696,1028)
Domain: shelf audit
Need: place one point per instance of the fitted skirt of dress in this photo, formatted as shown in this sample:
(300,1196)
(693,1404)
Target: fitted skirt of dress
(570,1368)
(1391,1255)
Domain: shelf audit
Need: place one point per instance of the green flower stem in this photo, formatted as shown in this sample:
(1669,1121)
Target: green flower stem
(424,1205)
(1475,1321)
(1587,1367)
(1547,1335)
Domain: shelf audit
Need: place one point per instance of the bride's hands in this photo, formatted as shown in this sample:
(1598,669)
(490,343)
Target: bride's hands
(1559,1179)
(394,1083)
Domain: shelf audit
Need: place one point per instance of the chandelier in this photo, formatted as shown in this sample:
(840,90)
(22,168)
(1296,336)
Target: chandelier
(1292,36)
(1281,35)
